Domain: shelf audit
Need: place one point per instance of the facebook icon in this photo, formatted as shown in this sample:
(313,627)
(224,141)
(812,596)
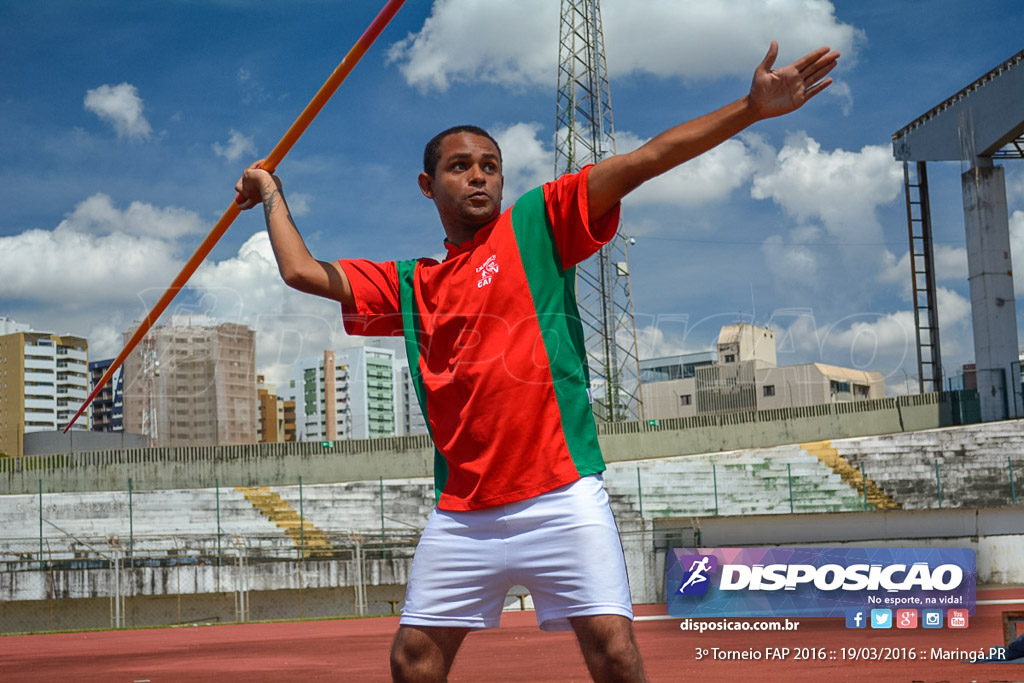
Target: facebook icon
(856,618)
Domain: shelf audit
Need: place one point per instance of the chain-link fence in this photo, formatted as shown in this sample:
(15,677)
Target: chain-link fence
(173,580)
(128,558)
(177,580)
(752,485)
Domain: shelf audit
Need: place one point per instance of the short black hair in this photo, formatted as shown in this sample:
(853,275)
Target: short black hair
(432,152)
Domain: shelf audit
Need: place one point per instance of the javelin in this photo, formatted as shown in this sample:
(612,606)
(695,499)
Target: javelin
(270,163)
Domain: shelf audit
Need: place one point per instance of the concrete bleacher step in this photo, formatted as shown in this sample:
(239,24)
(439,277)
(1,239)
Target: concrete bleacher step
(747,481)
(310,540)
(876,496)
(974,463)
(76,523)
(356,506)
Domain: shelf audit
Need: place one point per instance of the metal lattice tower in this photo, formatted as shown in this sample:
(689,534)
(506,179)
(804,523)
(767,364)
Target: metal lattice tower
(586,135)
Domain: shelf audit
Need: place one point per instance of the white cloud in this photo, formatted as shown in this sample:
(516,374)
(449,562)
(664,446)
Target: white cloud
(253,92)
(953,308)
(840,90)
(97,254)
(97,270)
(121,107)
(895,272)
(68,267)
(97,215)
(693,40)
(247,289)
(657,340)
(840,188)
(863,341)
(1017,251)
(791,264)
(706,39)
(238,145)
(106,339)
(299,203)
(887,342)
(902,381)
(515,48)
(950,264)
(79,280)
(708,179)
(251,276)
(797,335)
(1014,186)
(526,162)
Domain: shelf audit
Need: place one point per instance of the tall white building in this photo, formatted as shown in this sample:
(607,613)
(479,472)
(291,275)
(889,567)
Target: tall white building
(44,378)
(346,394)
(408,415)
(10,326)
(356,393)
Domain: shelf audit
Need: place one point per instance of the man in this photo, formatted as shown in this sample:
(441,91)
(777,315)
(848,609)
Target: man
(495,342)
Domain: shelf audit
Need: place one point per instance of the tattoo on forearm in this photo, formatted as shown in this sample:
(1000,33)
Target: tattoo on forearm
(270,203)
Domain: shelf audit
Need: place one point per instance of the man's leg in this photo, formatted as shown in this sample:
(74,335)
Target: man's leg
(422,653)
(609,648)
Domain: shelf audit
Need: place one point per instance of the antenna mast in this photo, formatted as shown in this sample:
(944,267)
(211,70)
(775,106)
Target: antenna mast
(585,135)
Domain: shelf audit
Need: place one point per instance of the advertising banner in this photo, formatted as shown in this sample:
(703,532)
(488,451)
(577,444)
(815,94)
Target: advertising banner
(821,582)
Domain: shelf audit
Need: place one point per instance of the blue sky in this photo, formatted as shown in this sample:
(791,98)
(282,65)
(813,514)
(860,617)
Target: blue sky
(123,127)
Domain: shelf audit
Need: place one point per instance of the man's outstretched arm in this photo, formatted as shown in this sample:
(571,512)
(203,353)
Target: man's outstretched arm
(772,93)
(297,266)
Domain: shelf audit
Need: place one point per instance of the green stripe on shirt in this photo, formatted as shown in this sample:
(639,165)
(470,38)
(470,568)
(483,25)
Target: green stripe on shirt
(554,299)
(411,328)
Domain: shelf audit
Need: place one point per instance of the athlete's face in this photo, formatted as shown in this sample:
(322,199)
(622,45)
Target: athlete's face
(466,185)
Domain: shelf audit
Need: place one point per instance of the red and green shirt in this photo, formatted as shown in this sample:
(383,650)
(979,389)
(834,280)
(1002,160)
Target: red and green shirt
(495,347)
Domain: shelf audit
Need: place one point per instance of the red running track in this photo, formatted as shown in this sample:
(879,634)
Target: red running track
(357,650)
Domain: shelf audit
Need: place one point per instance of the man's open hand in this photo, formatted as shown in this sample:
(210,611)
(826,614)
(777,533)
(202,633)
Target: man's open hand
(780,91)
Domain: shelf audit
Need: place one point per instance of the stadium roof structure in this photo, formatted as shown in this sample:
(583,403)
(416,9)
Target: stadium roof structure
(992,107)
(977,125)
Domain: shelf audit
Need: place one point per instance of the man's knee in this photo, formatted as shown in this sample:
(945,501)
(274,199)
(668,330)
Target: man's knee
(609,648)
(415,659)
(424,654)
(618,654)
(408,662)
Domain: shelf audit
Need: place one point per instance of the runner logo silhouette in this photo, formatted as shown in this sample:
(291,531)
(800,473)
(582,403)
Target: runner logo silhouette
(696,581)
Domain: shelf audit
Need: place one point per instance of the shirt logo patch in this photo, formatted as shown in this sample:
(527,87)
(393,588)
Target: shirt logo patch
(487,271)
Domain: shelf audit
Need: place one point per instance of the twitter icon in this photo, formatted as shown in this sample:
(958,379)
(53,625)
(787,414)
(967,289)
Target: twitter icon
(881,618)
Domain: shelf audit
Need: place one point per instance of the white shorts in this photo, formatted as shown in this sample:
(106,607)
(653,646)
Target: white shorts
(562,545)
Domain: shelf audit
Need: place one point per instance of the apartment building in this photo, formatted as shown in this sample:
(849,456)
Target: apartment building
(193,383)
(108,406)
(44,378)
(350,394)
(276,415)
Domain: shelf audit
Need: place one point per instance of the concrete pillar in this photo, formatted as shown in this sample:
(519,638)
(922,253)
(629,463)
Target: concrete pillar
(990,274)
